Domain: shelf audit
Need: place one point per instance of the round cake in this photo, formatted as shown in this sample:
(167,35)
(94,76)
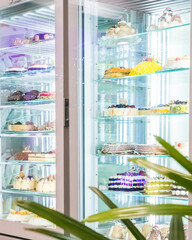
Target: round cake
(117,72)
(19,216)
(182,62)
(29,126)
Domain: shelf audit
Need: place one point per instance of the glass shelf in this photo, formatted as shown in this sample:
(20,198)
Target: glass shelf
(130,155)
(19,162)
(136,37)
(27,133)
(24,192)
(21,103)
(123,118)
(142,75)
(138,194)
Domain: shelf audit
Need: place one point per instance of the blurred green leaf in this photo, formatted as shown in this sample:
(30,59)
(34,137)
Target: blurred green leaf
(61,220)
(51,233)
(185,180)
(140,211)
(183,161)
(128,223)
(176,229)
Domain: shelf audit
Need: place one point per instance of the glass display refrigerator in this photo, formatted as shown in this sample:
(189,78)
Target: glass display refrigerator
(133,84)
(32,106)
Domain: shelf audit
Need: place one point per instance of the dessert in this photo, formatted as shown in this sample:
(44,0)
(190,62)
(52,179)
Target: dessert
(32,95)
(28,126)
(36,220)
(158,186)
(128,181)
(15,70)
(144,111)
(22,156)
(149,65)
(43,36)
(24,183)
(155,234)
(118,231)
(48,126)
(117,72)
(46,185)
(179,191)
(39,66)
(42,157)
(146,229)
(179,62)
(183,148)
(21,41)
(46,95)
(16,96)
(121,29)
(19,216)
(136,149)
(179,107)
(169,19)
(160,109)
(165,233)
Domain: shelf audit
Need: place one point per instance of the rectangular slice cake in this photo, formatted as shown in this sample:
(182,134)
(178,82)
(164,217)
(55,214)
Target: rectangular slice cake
(42,157)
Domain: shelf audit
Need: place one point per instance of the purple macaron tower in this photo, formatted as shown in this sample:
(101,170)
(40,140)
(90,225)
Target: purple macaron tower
(43,37)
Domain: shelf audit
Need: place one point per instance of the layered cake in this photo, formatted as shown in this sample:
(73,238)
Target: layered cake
(158,186)
(24,183)
(179,107)
(120,110)
(179,62)
(135,149)
(46,95)
(160,109)
(23,155)
(16,69)
(19,216)
(42,157)
(46,185)
(144,111)
(149,65)
(179,191)
(16,96)
(48,126)
(117,72)
(39,66)
(121,29)
(28,126)
(43,37)
(183,148)
(127,182)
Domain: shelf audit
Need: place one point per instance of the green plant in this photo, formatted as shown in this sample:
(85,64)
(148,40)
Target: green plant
(79,230)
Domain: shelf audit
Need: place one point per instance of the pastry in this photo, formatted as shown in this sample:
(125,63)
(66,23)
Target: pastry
(144,111)
(21,41)
(169,19)
(16,96)
(117,72)
(43,36)
(22,156)
(118,231)
(38,221)
(15,69)
(28,126)
(149,65)
(46,185)
(179,62)
(165,233)
(179,107)
(24,183)
(158,186)
(155,234)
(32,95)
(39,66)
(42,157)
(179,191)
(183,148)
(147,149)
(118,148)
(48,126)
(46,95)
(146,229)
(19,216)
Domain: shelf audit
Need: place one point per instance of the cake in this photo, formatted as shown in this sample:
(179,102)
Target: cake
(48,126)
(42,157)
(158,186)
(179,191)
(164,232)
(121,29)
(149,65)
(32,95)
(147,149)
(39,221)
(155,234)
(179,62)
(24,183)
(183,148)
(15,70)
(117,72)
(118,231)
(28,126)
(39,66)
(16,96)
(19,216)
(23,155)
(46,185)
(127,182)
(169,19)
(118,148)
(146,229)
(144,111)
(21,41)
(160,109)
(46,95)
(43,36)
(179,107)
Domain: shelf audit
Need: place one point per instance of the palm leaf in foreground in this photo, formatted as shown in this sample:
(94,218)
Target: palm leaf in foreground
(184,180)
(140,211)
(183,161)
(128,223)
(61,220)
(50,233)
(176,229)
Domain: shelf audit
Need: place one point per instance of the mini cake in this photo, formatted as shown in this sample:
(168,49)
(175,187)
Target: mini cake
(21,41)
(15,70)
(118,231)
(16,96)
(48,126)
(36,220)
(169,19)
(42,157)
(182,62)
(46,95)
(158,186)
(39,66)
(149,65)
(144,111)
(147,149)
(118,148)
(46,185)
(117,72)
(160,109)
(43,36)
(24,183)
(165,233)
(32,95)
(127,182)
(23,155)
(179,191)
(155,234)
(146,229)
(28,126)
(183,148)
(19,216)
(179,107)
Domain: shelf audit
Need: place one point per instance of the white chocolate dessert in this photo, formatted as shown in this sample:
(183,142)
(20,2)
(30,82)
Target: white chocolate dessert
(179,62)
(46,185)
(24,183)
(19,216)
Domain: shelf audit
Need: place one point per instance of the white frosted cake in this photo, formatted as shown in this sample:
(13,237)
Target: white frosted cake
(183,148)
(36,220)
(182,62)
(46,185)
(117,148)
(19,216)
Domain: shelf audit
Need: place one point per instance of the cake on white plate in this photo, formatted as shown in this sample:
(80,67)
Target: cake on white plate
(178,62)
(46,185)
(19,216)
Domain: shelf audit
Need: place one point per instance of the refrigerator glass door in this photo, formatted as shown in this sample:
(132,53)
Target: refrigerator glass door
(134,85)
